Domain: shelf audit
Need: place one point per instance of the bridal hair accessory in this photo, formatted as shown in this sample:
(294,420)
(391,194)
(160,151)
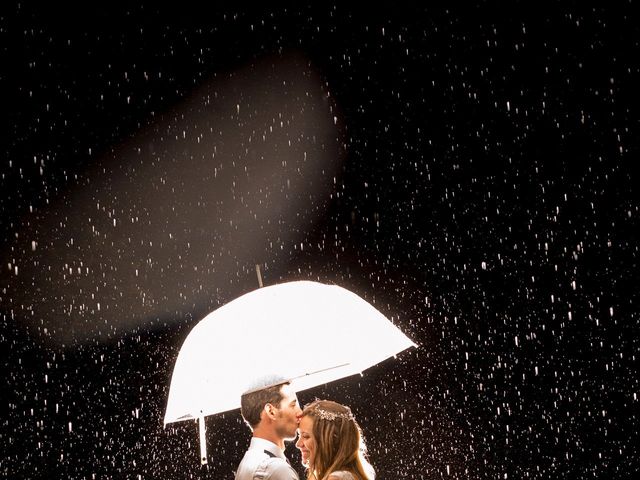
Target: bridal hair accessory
(331,416)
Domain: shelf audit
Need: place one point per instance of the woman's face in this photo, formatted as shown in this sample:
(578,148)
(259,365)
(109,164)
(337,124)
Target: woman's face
(306,443)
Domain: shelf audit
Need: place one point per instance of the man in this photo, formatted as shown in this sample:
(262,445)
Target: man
(271,410)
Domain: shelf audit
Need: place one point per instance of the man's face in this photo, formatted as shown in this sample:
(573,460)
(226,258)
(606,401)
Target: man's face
(288,413)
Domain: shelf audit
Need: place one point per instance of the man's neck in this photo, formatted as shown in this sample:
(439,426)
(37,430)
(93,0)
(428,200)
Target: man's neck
(265,434)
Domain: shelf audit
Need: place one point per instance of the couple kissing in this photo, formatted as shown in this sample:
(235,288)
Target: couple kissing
(329,439)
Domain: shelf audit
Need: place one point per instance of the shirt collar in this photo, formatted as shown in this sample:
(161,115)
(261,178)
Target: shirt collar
(262,444)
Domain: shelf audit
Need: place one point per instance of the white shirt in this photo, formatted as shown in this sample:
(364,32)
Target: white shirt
(265,461)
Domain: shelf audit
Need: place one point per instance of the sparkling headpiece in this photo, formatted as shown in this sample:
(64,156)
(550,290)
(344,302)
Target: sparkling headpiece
(331,416)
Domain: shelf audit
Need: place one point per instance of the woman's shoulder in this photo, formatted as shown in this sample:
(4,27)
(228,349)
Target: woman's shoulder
(341,475)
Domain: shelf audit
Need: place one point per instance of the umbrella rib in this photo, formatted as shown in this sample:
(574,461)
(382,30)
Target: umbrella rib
(320,371)
(295,378)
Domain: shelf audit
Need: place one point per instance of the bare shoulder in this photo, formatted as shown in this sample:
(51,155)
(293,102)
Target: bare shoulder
(340,476)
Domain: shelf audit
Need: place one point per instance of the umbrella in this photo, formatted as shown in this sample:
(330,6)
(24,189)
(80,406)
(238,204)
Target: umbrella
(309,332)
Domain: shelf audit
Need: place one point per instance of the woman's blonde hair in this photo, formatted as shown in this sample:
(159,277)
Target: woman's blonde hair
(338,441)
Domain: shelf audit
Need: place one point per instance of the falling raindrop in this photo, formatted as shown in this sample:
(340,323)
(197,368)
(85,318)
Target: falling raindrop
(461,138)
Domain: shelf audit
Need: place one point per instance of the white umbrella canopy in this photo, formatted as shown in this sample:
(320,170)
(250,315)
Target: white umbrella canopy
(306,331)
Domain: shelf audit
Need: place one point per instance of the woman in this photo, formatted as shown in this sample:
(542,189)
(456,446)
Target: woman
(331,444)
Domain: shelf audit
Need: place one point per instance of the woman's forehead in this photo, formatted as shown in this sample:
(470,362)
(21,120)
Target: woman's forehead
(306,423)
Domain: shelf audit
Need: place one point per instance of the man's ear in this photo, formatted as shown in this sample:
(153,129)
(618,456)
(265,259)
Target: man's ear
(270,411)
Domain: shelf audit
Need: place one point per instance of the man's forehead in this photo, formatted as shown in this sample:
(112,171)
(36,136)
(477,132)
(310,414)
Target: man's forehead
(288,391)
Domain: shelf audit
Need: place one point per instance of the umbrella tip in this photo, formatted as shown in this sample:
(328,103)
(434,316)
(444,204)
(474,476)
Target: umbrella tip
(259,274)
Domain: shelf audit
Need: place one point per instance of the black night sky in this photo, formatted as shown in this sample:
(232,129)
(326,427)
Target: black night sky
(469,171)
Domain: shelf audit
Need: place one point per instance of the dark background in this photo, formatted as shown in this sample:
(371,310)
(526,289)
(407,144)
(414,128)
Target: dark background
(487,203)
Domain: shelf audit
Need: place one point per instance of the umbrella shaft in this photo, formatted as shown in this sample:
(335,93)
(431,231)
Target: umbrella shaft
(203,441)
